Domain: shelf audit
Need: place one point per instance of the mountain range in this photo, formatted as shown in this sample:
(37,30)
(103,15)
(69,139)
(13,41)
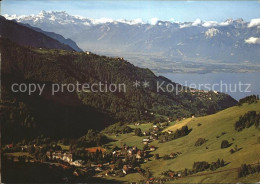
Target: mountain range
(164,43)
(28,37)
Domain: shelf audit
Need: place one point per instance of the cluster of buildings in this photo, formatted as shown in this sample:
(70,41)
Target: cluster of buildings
(64,156)
(124,153)
(60,155)
(128,151)
(152,134)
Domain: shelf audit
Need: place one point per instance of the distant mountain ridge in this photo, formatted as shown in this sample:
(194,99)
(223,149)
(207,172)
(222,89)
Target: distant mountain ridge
(58,37)
(231,41)
(28,37)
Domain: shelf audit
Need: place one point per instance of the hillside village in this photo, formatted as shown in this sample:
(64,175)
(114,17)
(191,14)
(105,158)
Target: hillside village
(117,162)
(138,152)
(112,161)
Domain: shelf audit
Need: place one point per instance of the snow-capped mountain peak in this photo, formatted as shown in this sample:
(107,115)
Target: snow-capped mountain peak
(199,38)
(63,17)
(211,32)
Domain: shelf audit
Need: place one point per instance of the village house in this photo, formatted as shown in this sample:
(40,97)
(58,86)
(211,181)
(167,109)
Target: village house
(156,129)
(49,155)
(139,154)
(99,169)
(76,172)
(171,174)
(67,157)
(112,167)
(117,153)
(9,146)
(169,132)
(94,149)
(78,163)
(57,155)
(127,169)
(153,137)
(130,151)
(146,133)
(107,172)
(24,147)
(172,155)
(146,160)
(152,148)
(120,59)
(146,141)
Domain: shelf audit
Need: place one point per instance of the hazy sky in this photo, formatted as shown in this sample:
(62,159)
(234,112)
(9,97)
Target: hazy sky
(129,9)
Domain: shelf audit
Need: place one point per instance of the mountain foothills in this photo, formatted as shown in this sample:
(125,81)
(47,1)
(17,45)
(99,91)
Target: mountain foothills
(70,114)
(165,44)
(58,37)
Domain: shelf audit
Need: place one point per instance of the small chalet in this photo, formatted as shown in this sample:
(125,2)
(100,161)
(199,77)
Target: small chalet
(10,146)
(78,163)
(152,148)
(146,141)
(139,154)
(67,157)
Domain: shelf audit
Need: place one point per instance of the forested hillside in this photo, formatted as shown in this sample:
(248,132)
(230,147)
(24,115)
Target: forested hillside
(72,114)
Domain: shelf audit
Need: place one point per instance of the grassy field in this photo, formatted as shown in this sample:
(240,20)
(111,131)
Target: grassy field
(178,125)
(129,139)
(64,147)
(134,177)
(143,127)
(214,128)
(17,154)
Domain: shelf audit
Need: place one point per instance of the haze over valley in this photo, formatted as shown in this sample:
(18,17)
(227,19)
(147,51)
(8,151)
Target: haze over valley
(162,46)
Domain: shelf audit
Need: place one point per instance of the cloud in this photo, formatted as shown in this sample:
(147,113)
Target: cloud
(252,40)
(154,20)
(254,23)
(173,20)
(197,22)
(102,20)
(131,22)
(210,24)
(185,25)
(227,22)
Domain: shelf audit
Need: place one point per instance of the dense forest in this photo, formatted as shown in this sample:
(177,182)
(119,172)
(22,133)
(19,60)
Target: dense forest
(248,99)
(247,120)
(68,114)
